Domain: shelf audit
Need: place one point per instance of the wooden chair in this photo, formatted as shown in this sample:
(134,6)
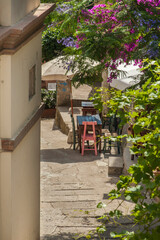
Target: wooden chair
(111,123)
(107,122)
(86,111)
(88,136)
(107,134)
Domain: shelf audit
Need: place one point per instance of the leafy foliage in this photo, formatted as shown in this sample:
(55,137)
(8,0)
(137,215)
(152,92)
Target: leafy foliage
(50,47)
(140,108)
(48,97)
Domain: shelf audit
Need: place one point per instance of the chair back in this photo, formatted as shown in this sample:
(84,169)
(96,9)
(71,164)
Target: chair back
(93,124)
(88,111)
(89,136)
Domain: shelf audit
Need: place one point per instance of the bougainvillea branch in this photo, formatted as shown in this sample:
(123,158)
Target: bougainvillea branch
(112,32)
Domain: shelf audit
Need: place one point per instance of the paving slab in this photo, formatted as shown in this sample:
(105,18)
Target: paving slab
(71,187)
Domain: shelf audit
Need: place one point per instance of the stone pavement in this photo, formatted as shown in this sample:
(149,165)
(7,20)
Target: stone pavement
(71,187)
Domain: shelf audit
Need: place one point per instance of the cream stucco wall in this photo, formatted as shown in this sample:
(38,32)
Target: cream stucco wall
(5,196)
(20,162)
(5,96)
(11,11)
(15,106)
(20,169)
(0,96)
(20,189)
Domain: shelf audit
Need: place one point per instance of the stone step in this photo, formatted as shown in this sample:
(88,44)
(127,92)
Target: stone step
(71,198)
(115,165)
(70,193)
(85,204)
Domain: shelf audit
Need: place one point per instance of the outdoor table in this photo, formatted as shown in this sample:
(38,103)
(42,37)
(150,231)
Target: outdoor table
(87,104)
(88,108)
(98,127)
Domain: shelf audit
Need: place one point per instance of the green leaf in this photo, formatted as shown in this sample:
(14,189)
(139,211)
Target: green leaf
(115,213)
(134,189)
(128,197)
(101,229)
(88,236)
(113,234)
(114,194)
(86,212)
(101,205)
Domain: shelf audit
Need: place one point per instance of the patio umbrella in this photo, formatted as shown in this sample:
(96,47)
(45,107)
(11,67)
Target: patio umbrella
(127,79)
(55,70)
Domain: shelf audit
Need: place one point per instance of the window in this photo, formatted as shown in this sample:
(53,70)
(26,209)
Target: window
(32,81)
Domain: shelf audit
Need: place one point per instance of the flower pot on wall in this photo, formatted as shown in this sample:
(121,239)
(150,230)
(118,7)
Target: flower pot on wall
(49,99)
(49,113)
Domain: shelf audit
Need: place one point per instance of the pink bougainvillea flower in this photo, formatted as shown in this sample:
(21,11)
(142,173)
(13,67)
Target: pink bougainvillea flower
(130,47)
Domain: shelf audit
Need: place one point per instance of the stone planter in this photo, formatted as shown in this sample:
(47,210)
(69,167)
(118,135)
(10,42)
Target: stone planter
(49,113)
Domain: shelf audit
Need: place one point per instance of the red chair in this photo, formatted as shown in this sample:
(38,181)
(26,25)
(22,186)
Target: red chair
(89,135)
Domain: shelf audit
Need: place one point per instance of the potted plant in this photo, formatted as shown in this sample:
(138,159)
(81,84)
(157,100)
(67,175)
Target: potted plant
(48,97)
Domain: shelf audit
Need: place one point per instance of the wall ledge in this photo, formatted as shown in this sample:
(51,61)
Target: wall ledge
(9,144)
(14,37)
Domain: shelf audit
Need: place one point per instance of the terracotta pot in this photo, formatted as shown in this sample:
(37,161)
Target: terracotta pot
(49,113)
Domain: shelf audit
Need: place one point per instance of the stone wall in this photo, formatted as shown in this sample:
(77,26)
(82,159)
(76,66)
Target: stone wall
(63,93)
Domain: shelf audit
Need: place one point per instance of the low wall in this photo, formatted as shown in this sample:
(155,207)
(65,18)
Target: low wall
(62,120)
(127,157)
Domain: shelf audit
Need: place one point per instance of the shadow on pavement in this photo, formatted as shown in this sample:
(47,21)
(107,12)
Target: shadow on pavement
(63,156)
(65,236)
(120,225)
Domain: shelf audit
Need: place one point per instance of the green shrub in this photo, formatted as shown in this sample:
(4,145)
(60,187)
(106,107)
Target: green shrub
(48,97)
(50,47)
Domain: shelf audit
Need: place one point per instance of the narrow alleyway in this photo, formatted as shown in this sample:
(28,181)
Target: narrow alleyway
(71,187)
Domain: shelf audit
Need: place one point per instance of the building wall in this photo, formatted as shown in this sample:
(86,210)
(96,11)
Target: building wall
(5,196)
(20,169)
(0,94)
(5,95)
(15,103)
(26,187)
(11,11)
(20,189)
(20,51)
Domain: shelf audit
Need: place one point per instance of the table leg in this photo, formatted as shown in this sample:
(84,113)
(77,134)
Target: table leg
(100,133)
(79,139)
